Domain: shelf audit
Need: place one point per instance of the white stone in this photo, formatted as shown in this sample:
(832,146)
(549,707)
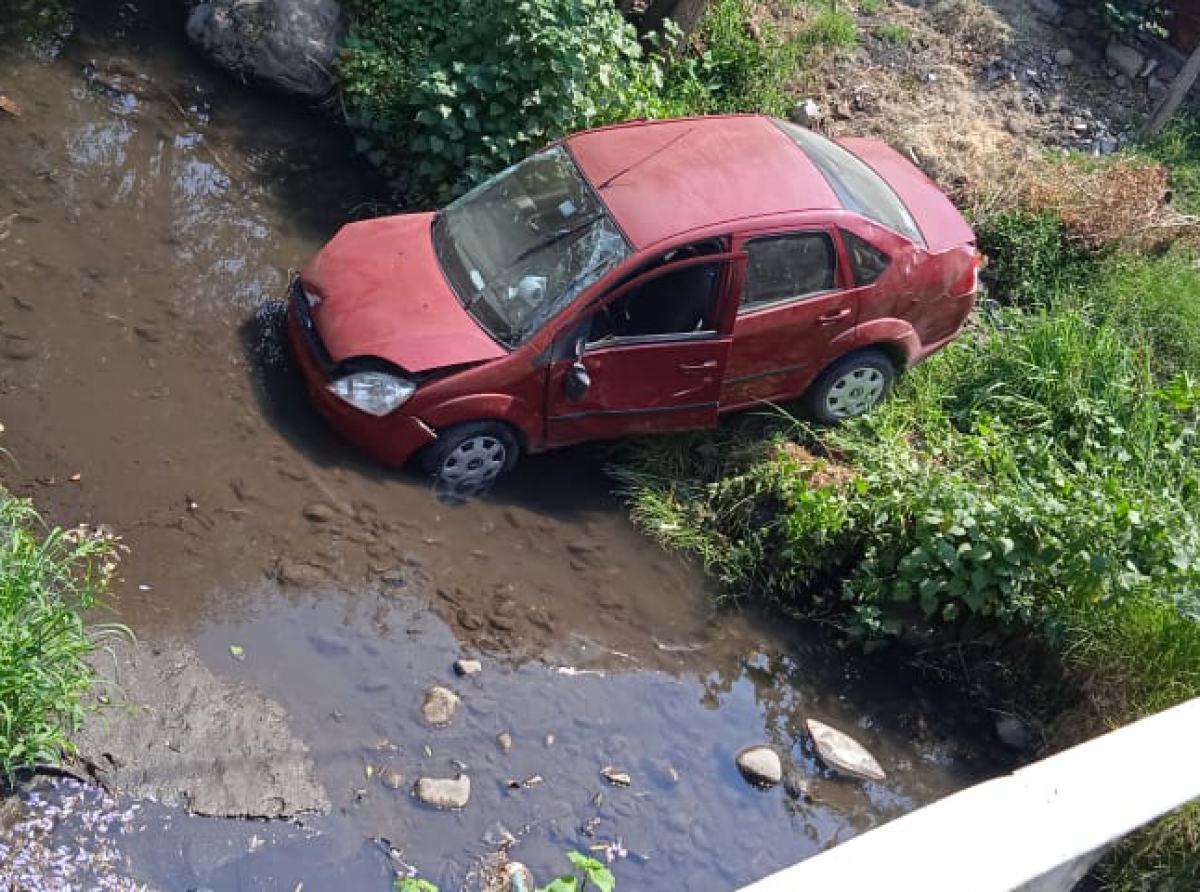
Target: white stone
(444,792)
(468,667)
(760,765)
(843,753)
(440,705)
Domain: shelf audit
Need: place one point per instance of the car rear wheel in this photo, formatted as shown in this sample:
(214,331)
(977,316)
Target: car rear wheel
(850,387)
(466,459)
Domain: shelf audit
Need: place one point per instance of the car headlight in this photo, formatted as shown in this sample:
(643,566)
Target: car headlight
(376,393)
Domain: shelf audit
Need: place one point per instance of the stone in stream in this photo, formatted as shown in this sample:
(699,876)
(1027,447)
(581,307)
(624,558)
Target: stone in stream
(291,44)
(301,575)
(504,741)
(519,877)
(440,705)
(1014,733)
(843,753)
(467,667)
(319,512)
(797,786)
(760,766)
(444,792)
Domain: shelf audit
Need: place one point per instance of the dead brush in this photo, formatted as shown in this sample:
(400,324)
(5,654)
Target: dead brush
(1123,201)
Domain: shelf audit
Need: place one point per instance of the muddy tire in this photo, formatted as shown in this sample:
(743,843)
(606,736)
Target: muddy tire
(466,459)
(850,387)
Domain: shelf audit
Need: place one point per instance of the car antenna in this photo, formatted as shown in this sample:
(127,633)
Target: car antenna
(659,150)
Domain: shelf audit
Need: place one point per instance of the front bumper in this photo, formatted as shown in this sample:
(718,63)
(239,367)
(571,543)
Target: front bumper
(392,440)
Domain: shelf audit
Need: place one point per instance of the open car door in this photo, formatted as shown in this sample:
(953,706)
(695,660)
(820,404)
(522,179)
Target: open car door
(648,357)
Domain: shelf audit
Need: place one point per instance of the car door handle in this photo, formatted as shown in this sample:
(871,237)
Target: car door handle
(830,318)
(698,368)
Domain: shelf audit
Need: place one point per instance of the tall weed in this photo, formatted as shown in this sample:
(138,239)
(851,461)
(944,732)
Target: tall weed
(46,581)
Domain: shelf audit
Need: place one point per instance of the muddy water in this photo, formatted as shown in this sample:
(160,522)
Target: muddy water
(151,210)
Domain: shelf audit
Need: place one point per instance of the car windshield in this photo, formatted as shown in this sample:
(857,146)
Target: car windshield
(520,247)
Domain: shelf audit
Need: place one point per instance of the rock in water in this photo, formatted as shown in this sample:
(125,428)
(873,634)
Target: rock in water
(466,667)
(1014,733)
(760,765)
(291,44)
(319,512)
(440,705)
(843,753)
(520,878)
(444,792)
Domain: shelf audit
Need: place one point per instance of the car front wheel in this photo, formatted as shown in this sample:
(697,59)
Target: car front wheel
(466,459)
(850,387)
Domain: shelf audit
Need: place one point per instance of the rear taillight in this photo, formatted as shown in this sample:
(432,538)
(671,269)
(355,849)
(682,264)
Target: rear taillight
(980,264)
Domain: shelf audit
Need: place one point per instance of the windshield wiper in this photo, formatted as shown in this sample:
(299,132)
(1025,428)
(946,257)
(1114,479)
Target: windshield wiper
(556,238)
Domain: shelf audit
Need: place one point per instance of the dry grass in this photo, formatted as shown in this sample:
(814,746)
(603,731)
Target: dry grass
(1120,201)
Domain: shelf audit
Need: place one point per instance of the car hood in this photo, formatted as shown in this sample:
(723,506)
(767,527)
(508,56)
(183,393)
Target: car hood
(383,294)
(938,219)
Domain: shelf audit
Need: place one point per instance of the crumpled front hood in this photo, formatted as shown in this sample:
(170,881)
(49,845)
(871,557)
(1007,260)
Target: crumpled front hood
(383,294)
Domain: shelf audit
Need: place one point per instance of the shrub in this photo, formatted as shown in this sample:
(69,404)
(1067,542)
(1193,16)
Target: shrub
(507,78)
(1031,259)
(45,581)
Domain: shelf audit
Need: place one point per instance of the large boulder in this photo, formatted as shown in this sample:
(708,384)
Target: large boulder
(291,44)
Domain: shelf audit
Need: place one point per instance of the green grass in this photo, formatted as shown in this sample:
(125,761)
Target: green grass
(830,28)
(1178,147)
(893,33)
(46,579)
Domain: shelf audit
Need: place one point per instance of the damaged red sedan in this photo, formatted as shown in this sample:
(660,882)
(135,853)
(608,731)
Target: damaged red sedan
(634,279)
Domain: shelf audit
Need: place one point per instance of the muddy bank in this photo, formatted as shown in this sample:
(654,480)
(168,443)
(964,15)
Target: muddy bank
(166,728)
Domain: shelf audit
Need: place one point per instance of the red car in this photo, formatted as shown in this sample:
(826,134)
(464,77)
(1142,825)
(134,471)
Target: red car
(634,279)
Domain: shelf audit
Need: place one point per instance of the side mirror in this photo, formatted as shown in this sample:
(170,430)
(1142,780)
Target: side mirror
(577,381)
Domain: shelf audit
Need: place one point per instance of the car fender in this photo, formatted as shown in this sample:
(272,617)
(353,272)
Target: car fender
(486,407)
(895,333)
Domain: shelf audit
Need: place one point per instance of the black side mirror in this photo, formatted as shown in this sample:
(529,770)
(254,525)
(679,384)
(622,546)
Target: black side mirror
(577,381)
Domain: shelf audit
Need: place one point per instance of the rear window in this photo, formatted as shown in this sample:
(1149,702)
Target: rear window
(857,187)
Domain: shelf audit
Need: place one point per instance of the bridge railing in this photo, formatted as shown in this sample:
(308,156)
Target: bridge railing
(1039,829)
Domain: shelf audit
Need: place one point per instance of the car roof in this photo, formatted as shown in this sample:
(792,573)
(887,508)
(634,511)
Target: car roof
(661,179)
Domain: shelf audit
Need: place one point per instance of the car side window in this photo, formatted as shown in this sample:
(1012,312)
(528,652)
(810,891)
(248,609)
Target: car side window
(788,267)
(675,302)
(867,261)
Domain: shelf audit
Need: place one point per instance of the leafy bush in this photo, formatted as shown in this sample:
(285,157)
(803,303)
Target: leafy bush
(468,87)
(1031,259)
(42,22)
(44,584)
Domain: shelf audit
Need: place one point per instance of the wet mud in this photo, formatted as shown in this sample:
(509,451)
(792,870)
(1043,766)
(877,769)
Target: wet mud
(151,212)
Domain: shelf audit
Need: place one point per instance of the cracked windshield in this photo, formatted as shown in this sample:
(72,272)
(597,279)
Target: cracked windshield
(335,553)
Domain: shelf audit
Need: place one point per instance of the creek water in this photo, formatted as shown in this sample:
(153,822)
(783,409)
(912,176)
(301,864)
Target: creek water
(150,209)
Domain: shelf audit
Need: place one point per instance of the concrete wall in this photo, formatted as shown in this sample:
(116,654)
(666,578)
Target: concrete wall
(1037,830)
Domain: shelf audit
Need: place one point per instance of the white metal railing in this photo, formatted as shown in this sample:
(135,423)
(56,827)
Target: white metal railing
(1037,830)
